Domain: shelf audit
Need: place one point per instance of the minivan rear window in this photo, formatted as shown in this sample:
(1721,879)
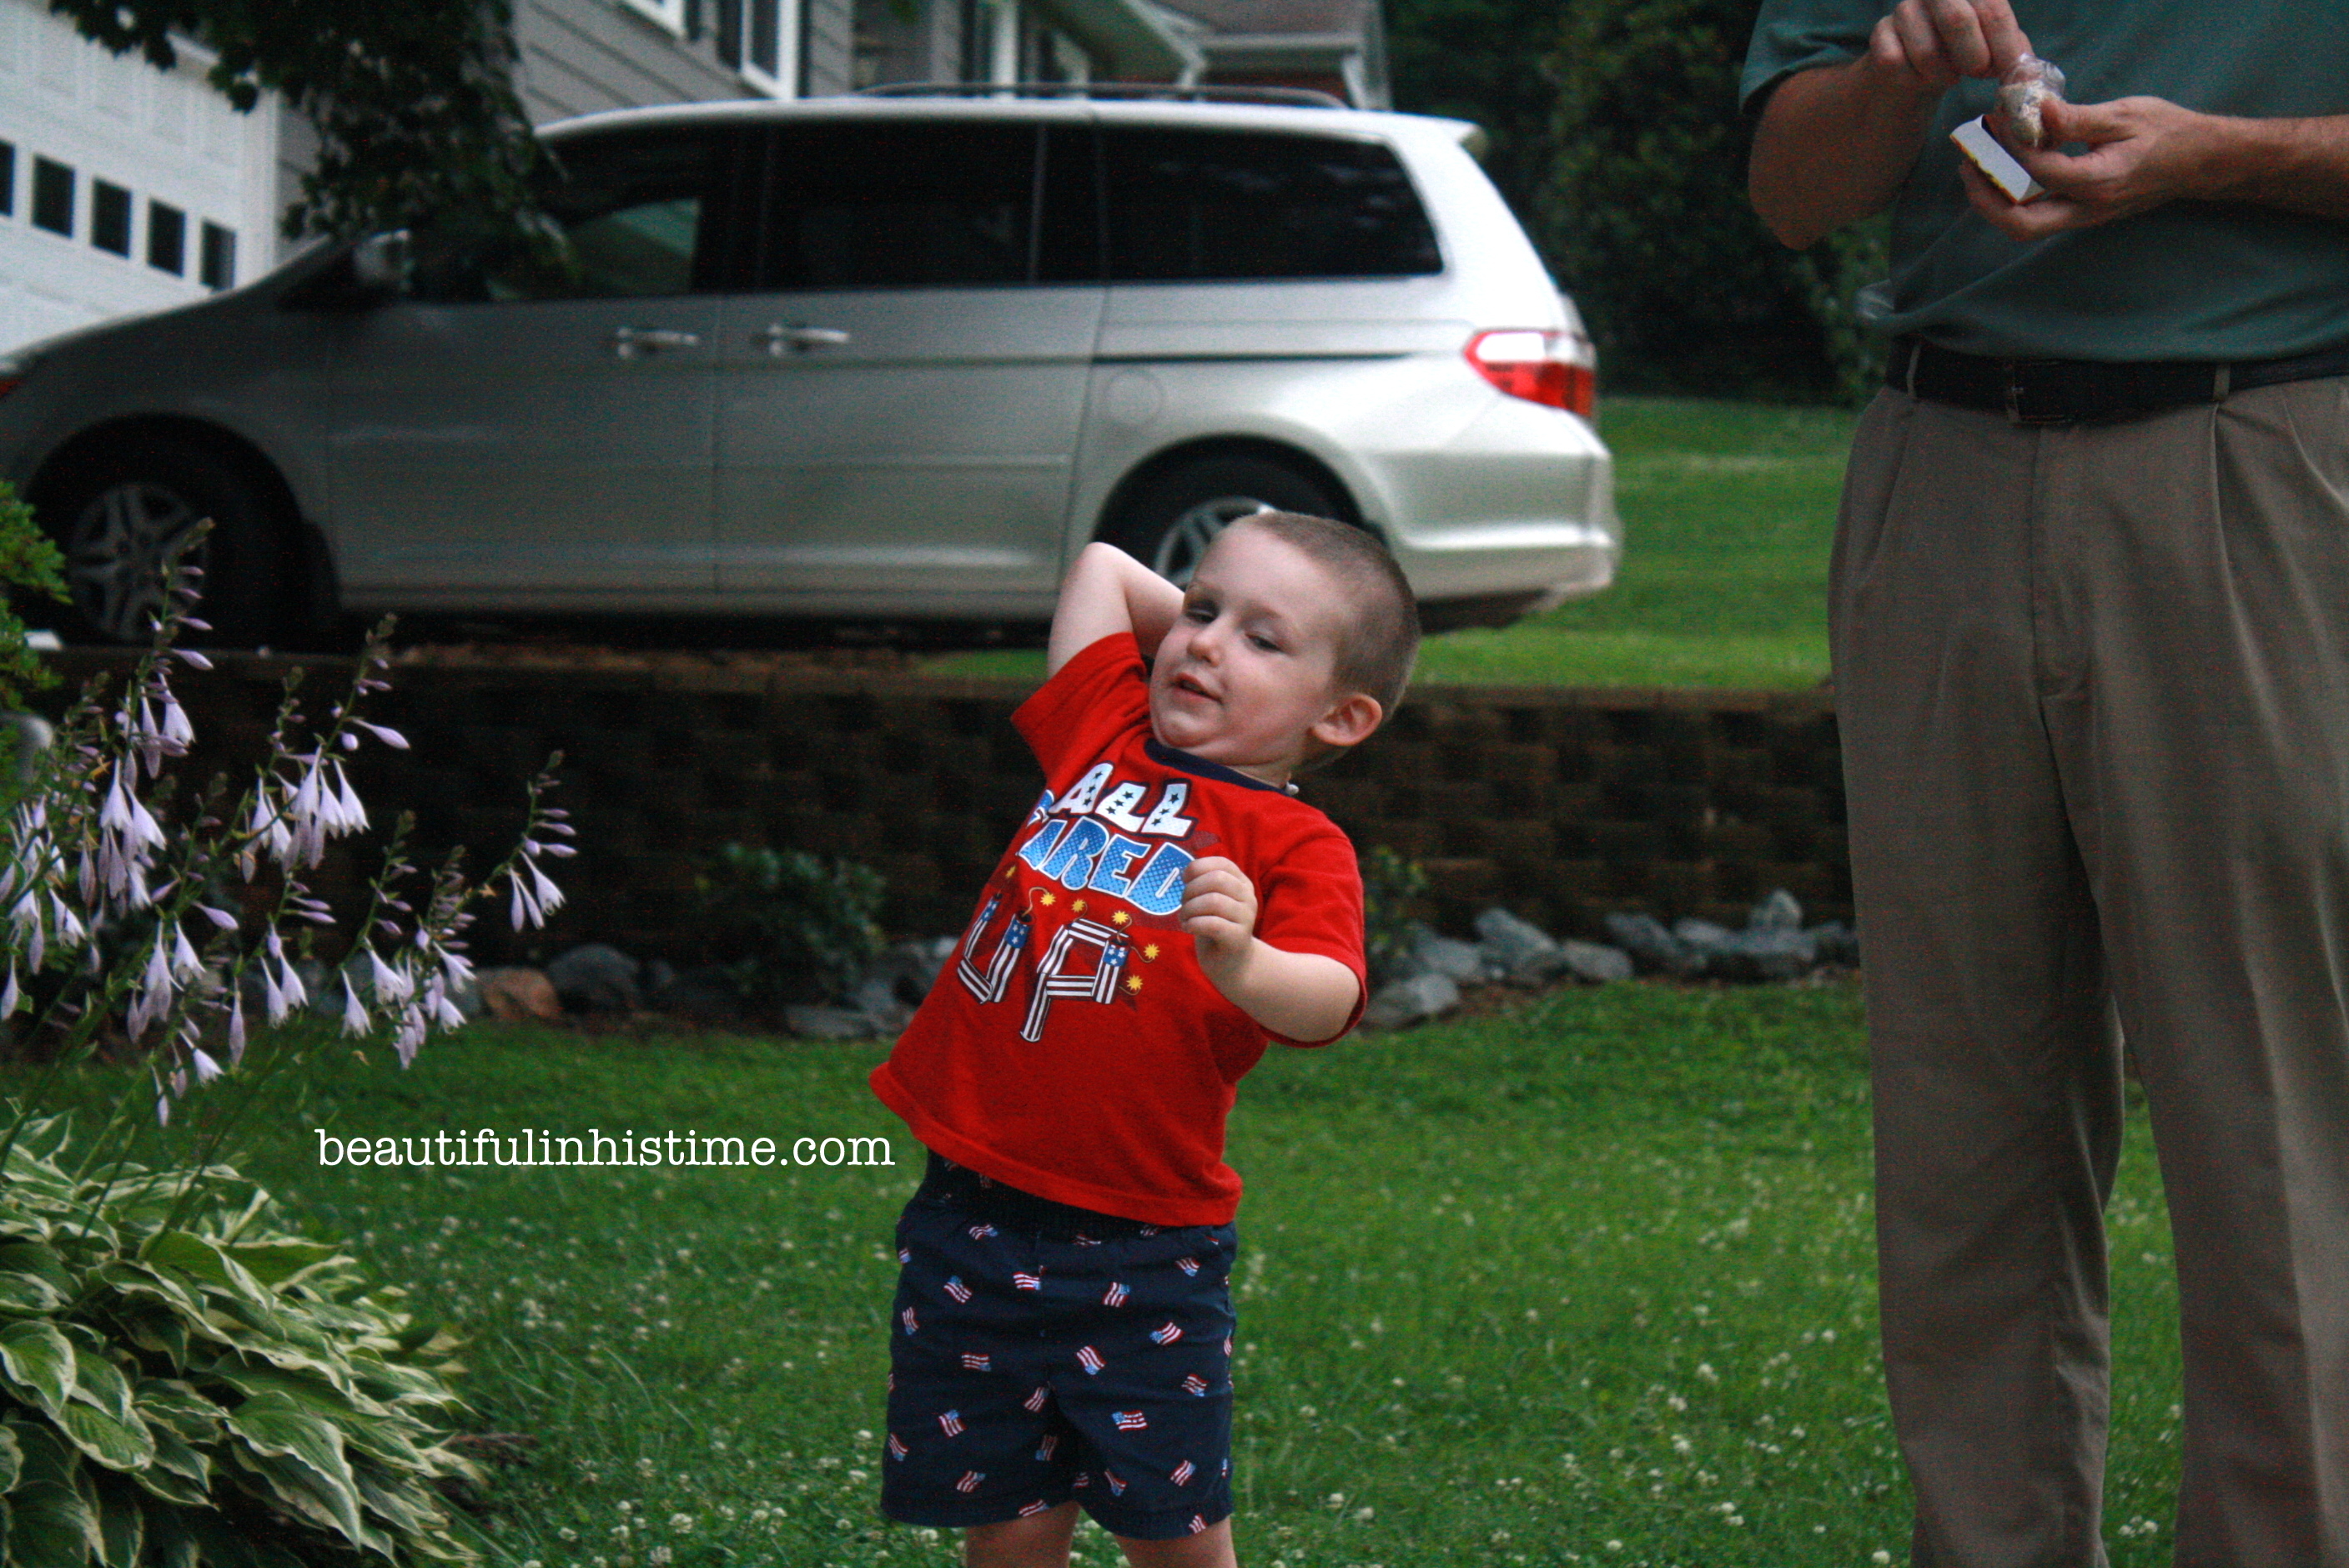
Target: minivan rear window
(1221,205)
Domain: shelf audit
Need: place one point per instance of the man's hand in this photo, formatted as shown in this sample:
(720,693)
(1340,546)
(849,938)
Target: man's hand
(1835,141)
(2141,152)
(1296,996)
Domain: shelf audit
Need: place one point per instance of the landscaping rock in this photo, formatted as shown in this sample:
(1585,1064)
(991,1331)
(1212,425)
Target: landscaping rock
(1766,955)
(910,968)
(703,994)
(1593,961)
(1779,912)
(829,1023)
(1432,952)
(1835,942)
(878,1000)
(596,978)
(1517,949)
(1404,1003)
(518,994)
(1651,946)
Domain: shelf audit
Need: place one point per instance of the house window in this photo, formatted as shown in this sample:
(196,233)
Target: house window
(668,13)
(219,257)
(7,179)
(109,217)
(760,39)
(167,239)
(53,197)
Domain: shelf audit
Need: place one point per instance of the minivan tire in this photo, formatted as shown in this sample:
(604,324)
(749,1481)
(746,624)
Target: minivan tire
(116,518)
(1172,519)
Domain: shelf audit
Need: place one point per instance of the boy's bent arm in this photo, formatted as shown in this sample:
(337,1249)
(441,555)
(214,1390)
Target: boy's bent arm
(1105,592)
(1306,996)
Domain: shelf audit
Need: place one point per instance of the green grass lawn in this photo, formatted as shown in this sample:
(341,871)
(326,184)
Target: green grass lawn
(1585,1281)
(1728,513)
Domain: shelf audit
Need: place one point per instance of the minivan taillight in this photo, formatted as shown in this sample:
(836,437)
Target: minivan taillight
(1543,366)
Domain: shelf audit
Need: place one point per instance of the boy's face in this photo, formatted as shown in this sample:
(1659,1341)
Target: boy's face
(1247,676)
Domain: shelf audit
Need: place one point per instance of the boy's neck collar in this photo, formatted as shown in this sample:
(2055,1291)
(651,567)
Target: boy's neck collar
(1166,756)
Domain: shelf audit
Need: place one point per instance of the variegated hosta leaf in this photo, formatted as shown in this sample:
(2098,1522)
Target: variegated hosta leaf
(37,1363)
(119,1445)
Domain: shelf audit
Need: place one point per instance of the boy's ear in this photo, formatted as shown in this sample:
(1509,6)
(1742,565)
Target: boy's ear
(1350,721)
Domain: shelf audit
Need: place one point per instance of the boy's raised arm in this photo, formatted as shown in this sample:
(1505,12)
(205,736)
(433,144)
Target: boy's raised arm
(1107,591)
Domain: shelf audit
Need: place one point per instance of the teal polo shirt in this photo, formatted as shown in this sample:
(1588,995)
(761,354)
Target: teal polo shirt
(2191,280)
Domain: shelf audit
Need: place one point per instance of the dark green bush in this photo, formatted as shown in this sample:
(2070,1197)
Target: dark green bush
(796,927)
(1392,886)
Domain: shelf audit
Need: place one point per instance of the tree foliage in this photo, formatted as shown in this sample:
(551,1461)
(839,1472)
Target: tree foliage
(413,101)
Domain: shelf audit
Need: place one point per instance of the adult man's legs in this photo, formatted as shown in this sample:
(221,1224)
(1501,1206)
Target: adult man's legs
(1997,1085)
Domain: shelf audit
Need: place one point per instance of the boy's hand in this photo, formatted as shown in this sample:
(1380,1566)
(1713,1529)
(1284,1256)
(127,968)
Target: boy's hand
(1296,996)
(1105,592)
(1219,912)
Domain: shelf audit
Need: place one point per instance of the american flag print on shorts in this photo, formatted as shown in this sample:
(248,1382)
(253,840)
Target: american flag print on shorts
(950,1423)
(956,1289)
(1116,1296)
(977,1361)
(1198,1526)
(1044,1449)
(1116,1487)
(1129,1421)
(1188,1265)
(980,1233)
(970,1479)
(1167,1335)
(1090,1359)
(1181,1474)
(1034,1403)
(904,1256)
(1035,1507)
(1028,1281)
(912,1324)
(896,1448)
(1195,1385)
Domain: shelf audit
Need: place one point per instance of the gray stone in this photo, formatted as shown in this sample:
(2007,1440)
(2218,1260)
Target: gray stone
(1835,942)
(1593,961)
(1779,912)
(703,994)
(908,969)
(1403,1003)
(1430,951)
(597,977)
(829,1023)
(1764,954)
(878,1000)
(1517,949)
(1652,947)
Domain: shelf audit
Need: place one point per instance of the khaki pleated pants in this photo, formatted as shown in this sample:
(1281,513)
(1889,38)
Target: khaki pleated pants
(2094,695)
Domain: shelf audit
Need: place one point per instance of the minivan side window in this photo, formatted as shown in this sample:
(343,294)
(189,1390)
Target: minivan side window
(1222,205)
(907,205)
(636,213)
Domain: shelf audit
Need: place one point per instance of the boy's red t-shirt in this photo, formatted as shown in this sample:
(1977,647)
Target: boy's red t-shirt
(1073,1047)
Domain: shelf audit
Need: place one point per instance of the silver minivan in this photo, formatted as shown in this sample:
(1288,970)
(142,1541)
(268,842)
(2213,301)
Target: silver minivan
(876,359)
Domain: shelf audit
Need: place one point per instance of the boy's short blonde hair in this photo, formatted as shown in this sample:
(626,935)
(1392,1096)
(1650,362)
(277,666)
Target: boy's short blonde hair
(1380,638)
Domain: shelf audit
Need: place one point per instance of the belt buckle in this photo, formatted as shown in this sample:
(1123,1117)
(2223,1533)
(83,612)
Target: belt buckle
(2021,408)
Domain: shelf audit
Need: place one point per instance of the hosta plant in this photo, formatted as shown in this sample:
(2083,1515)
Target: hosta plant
(185,1383)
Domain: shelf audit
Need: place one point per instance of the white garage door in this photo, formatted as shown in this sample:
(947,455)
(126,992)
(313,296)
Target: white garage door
(122,188)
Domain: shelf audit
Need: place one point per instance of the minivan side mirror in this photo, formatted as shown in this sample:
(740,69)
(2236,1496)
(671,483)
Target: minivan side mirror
(383,263)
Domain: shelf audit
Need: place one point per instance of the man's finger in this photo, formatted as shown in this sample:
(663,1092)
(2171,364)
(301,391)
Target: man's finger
(1978,37)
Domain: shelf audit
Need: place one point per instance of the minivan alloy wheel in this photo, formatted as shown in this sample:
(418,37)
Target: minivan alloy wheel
(117,549)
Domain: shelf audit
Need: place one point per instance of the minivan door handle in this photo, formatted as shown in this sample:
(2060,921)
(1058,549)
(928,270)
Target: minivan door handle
(631,341)
(780,340)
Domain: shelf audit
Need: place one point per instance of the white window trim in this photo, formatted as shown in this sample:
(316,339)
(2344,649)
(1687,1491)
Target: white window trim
(785,83)
(666,15)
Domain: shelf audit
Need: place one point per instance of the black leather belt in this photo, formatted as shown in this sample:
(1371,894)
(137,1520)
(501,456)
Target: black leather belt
(2085,391)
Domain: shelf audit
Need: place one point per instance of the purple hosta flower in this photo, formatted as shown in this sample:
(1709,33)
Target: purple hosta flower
(389,737)
(219,917)
(206,1067)
(355,1016)
(11,998)
(236,1026)
(128,836)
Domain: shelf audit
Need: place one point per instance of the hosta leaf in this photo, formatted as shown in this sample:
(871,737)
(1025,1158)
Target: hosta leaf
(281,1431)
(117,1445)
(49,1526)
(12,1459)
(168,1543)
(309,1390)
(221,1545)
(46,1455)
(121,1526)
(33,1278)
(136,1279)
(99,1383)
(166,1402)
(157,1330)
(170,1485)
(203,1260)
(38,1362)
(280,1259)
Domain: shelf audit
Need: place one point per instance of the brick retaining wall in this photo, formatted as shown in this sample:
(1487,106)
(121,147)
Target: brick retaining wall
(1562,803)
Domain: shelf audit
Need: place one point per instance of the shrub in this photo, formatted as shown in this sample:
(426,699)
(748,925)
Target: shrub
(1392,886)
(805,928)
(184,1382)
(31,565)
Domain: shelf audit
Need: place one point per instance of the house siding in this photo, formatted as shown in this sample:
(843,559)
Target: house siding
(582,56)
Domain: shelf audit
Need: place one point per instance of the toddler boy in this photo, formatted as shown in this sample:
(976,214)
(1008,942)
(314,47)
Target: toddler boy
(1061,1336)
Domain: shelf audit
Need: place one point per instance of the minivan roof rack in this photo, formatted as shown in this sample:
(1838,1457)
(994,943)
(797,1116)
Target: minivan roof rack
(1303,97)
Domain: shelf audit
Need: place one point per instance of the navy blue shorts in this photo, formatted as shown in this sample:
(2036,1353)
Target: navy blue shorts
(1040,1352)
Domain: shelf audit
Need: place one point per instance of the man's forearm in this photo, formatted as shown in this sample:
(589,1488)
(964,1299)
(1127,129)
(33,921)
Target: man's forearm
(2296,165)
(1834,145)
